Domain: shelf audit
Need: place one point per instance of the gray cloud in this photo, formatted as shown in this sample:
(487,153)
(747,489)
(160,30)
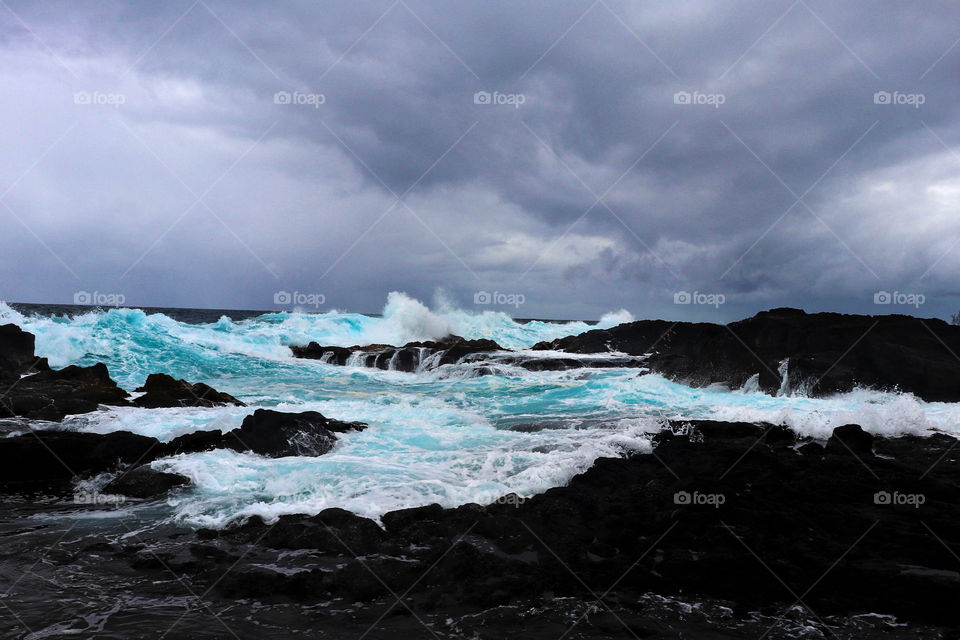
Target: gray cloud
(200,190)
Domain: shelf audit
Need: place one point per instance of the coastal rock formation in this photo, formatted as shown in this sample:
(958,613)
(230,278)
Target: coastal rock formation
(276,434)
(162,390)
(788,349)
(421,356)
(410,357)
(144,482)
(31,389)
(52,459)
(730,510)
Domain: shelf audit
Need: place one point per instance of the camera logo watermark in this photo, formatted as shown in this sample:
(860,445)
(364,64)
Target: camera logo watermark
(699,298)
(897,98)
(299,98)
(512,99)
(699,499)
(101,499)
(897,499)
(899,298)
(100,98)
(285,298)
(98,299)
(499,298)
(698,97)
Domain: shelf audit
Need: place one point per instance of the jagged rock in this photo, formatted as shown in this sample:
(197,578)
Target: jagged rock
(162,390)
(850,438)
(57,457)
(406,358)
(825,352)
(277,434)
(52,458)
(144,482)
(716,510)
(34,390)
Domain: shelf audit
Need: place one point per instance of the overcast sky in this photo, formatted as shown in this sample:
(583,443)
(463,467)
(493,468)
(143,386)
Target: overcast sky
(585,155)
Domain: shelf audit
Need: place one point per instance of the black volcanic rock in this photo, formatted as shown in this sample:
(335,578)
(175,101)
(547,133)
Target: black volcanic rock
(405,358)
(57,457)
(162,390)
(277,434)
(46,458)
(332,530)
(144,482)
(452,350)
(16,350)
(727,510)
(33,390)
(850,438)
(825,352)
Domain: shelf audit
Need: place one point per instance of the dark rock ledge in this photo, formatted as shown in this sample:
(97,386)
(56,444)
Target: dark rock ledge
(823,353)
(726,510)
(29,388)
(51,460)
(484,354)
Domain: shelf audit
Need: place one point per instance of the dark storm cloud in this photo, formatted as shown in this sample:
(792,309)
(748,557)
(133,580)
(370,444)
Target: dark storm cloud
(598,191)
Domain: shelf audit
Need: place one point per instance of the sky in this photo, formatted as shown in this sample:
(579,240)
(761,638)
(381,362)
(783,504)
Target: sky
(685,160)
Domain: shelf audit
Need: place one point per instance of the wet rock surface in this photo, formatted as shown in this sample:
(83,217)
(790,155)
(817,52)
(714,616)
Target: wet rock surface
(484,355)
(161,390)
(31,389)
(53,459)
(725,530)
(733,511)
(827,352)
(144,482)
(407,358)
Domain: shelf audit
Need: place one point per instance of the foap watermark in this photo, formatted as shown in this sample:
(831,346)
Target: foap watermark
(700,298)
(492,497)
(100,98)
(511,499)
(299,299)
(499,298)
(98,499)
(897,499)
(512,99)
(897,98)
(899,298)
(699,97)
(299,98)
(699,499)
(98,299)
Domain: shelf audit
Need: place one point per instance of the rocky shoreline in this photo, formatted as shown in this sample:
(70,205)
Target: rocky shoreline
(819,353)
(766,530)
(771,526)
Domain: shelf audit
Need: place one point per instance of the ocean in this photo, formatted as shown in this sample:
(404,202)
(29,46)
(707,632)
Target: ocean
(442,435)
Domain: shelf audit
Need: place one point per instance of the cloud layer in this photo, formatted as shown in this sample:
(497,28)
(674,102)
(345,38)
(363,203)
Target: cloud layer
(588,155)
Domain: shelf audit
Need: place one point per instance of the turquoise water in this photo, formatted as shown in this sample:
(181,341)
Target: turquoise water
(442,435)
